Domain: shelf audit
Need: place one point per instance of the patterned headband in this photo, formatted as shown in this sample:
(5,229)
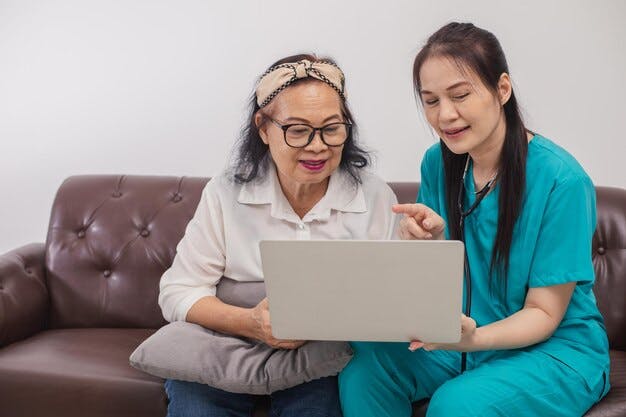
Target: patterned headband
(277,78)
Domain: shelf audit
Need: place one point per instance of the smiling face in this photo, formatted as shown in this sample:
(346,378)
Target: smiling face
(313,103)
(466,115)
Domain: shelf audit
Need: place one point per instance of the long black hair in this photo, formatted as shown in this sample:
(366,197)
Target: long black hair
(479,50)
(251,154)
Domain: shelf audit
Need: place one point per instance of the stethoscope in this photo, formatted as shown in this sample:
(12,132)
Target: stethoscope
(480,195)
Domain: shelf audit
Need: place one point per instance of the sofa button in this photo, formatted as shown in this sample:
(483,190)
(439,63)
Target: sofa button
(177,198)
(116,194)
(601,250)
(145,233)
(107,273)
(81,234)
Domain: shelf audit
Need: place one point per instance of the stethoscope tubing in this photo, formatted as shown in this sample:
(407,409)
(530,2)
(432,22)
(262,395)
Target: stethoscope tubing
(480,195)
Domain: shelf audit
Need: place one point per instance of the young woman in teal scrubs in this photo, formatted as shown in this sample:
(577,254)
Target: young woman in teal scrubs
(533,342)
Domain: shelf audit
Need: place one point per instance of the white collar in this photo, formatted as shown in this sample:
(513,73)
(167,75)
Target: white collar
(343,194)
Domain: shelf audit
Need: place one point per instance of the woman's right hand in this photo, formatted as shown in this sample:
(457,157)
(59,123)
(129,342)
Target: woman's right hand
(263,329)
(419,222)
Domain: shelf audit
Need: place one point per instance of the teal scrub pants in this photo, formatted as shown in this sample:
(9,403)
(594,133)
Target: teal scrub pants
(383,379)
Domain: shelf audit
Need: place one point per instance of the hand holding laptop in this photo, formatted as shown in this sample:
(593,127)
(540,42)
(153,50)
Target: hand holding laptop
(261,318)
(468,339)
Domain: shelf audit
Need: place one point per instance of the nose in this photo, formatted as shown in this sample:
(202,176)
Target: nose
(447,111)
(317,144)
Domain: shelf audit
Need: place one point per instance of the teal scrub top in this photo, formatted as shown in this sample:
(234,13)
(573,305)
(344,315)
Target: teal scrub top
(551,245)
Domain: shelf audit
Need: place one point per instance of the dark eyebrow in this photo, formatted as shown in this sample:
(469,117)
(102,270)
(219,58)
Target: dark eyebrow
(452,87)
(300,119)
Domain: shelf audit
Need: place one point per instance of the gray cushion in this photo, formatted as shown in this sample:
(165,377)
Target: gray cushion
(189,352)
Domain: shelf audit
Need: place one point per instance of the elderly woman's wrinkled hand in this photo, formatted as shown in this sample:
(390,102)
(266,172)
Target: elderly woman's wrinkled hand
(263,328)
(419,222)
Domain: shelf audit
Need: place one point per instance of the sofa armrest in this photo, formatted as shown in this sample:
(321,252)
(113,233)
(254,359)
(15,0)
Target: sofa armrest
(23,293)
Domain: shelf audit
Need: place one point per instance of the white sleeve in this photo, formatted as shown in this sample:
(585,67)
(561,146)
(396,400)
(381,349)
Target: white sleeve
(383,221)
(200,259)
(392,220)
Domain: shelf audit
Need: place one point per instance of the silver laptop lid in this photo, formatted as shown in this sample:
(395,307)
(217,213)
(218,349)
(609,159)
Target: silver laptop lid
(364,290)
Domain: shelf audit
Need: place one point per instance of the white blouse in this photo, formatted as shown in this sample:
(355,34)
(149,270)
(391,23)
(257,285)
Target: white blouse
(223,237)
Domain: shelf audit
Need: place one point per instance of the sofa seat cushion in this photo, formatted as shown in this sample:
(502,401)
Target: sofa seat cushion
(78,372)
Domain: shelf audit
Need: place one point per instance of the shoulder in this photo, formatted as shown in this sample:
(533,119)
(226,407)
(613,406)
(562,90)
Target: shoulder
(375,187)
(551,164)
(433,156)
(557,181)
(221,187)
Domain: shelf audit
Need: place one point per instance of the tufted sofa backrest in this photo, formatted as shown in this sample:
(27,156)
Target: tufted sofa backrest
(109,241)
(111,238)
(609,261)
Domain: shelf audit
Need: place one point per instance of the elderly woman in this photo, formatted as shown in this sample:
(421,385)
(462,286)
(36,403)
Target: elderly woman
(298,175)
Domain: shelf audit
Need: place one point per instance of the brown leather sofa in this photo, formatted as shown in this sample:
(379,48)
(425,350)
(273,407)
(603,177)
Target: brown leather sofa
(73,309)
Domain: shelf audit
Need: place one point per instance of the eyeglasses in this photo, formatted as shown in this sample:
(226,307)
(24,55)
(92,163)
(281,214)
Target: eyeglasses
(299,135)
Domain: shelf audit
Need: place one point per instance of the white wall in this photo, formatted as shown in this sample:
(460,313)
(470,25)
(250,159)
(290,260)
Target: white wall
(160,87)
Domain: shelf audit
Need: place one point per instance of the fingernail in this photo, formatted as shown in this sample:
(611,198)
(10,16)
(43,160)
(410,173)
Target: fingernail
(413,346)
(429,236)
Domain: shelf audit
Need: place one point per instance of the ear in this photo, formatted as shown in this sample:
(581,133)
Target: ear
(259,121)
(505,89)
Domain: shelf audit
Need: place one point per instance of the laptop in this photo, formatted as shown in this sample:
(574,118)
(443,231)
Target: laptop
(360,290)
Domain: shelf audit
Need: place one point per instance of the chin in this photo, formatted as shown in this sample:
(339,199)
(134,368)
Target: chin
(313,178)
(458,148)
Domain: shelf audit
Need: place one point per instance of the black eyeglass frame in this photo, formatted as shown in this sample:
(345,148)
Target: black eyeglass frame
(312,135)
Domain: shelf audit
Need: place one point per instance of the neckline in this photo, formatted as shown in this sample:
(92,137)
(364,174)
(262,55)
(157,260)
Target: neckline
(470,188)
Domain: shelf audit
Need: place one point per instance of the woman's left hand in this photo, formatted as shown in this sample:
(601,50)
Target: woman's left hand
(468,343)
